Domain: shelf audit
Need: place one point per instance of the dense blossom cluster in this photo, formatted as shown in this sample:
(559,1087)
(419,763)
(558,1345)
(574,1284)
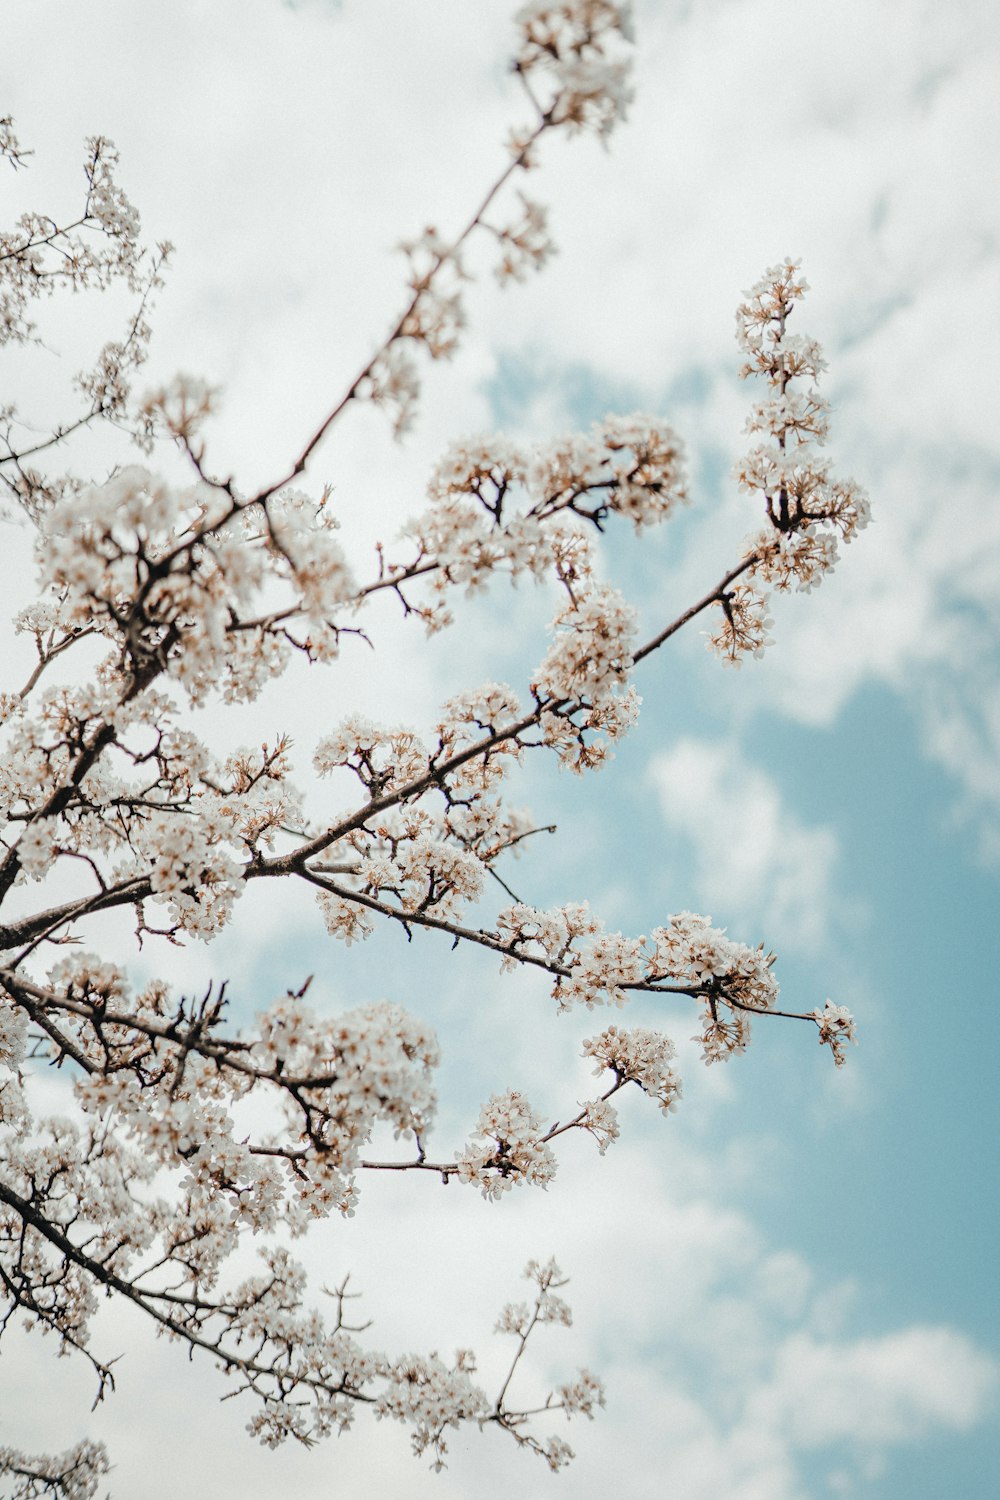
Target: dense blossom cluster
(639,1056)
(174,579)
(496,507)
(75,1475)
(186,1137)
(688,955)
(514,1150)
(808,511)
(182,1094)
(568,41)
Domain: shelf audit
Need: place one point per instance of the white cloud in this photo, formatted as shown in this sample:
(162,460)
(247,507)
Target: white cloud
(285,151)
(752,859)
(874,1391)
(875,169)
(725,1373)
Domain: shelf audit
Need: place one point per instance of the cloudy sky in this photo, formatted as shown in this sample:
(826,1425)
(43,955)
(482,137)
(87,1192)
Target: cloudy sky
(789,1285)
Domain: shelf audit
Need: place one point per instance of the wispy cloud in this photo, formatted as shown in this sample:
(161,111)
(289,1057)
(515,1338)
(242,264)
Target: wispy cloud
(749,857)
(731,1369)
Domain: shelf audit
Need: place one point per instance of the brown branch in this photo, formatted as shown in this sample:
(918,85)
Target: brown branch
(146,1301)
(350,394)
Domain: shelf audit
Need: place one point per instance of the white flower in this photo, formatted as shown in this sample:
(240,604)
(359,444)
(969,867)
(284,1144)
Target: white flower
(836,1029)
(515,1152)
(638,1056)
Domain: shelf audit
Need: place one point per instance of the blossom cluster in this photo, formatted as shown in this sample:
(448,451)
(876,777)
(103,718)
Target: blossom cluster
(508,1148)
(38,256)
(427,853)
(430,1397)
(10,146)
(174,579)
(329,1080)
(572,44)
(687,955)
(519,1319)
(496,507)
(836,1029)
(525,245)
(639,1056)
(155,814)
(435,316)
(178,1089)
(74,1475)
(45,254)
(809,512)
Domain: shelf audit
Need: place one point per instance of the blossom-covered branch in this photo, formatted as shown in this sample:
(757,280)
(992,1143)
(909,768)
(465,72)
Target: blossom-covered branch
(188,1135)
(42,256)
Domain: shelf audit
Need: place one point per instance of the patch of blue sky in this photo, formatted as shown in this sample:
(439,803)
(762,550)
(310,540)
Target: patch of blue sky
(893,1189)
(881,1179)
(520,378)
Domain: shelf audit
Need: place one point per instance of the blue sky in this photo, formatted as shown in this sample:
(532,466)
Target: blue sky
(790,1284)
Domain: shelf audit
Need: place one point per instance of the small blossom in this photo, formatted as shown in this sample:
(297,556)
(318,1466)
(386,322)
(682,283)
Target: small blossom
(836,1029)
(745,625)
(394,384)
(525,245)
(183,405)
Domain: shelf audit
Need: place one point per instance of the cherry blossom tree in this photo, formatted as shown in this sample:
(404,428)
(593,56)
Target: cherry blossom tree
(185,1136)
